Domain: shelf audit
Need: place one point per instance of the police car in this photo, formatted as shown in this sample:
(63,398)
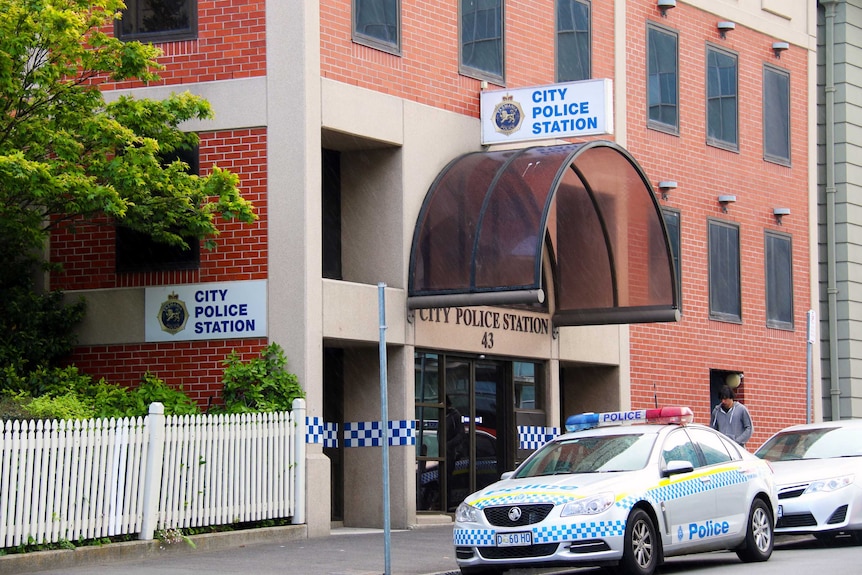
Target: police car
(615,494)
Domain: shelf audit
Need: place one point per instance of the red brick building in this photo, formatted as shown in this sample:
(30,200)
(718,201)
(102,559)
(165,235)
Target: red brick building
(343,117)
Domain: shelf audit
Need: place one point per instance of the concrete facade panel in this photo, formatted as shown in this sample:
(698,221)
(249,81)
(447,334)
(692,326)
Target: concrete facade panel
(361,112)
(351,312)
(113,316)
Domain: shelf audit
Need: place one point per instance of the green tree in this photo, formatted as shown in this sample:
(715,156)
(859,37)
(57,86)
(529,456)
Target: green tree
(67,156)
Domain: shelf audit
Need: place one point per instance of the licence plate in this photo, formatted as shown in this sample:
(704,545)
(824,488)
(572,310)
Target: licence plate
(514,539)
(780,511)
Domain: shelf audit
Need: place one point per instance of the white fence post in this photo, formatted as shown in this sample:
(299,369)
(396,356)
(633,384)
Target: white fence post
(299,466)
(153,473)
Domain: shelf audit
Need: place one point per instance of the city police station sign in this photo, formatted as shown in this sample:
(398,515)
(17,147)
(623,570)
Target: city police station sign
(222,310)
(566,110)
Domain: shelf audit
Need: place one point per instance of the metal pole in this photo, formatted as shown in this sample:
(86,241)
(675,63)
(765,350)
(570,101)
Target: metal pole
(384,415)
(809,364)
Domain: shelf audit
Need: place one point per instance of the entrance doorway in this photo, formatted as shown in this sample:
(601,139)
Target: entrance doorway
(464,438)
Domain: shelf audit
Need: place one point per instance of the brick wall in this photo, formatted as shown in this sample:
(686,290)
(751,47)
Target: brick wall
(195,366)
(231,44)
(674,359)
(427,70)
(87,255)
(86,251)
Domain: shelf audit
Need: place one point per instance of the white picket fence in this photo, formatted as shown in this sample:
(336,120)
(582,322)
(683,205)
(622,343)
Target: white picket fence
(88,479)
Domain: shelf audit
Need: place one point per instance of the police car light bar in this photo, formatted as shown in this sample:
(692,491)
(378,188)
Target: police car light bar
(661,415)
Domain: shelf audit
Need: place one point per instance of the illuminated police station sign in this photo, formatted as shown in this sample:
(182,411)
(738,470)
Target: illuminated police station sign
(566,110)
(218,310)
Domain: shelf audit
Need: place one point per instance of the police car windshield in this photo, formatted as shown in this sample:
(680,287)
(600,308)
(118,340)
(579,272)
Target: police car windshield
(596,454)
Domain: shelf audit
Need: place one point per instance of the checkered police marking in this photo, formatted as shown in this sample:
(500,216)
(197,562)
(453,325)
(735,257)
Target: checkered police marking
(370,433)
(676,489)
(473,537)
(587,530)
(533,437)
(318,431)
(549,534)
(402,432)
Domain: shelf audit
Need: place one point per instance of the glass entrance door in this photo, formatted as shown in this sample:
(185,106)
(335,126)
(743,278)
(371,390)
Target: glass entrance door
(462,423)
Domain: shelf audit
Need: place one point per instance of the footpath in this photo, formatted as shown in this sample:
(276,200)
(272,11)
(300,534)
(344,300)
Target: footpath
(424,550)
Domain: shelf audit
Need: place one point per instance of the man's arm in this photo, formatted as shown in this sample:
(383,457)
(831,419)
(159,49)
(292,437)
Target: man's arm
(747,427)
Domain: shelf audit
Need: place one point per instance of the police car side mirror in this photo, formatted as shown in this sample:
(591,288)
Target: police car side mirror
(507,475)
(677,466)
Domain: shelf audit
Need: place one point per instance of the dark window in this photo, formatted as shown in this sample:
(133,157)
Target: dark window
(138,252)
(573,40)
(482,38)
(332,214)
(725,300)
(377,23)
(779,281)
(159,20)
(671,221)
(721,98)
(776,115)
(663,79)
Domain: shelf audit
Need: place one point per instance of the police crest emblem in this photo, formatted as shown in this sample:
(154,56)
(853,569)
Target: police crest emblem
(173,314)
(508,115)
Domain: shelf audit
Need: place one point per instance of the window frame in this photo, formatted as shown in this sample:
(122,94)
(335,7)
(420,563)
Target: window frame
(653,27)
(773,322)
(373,41)
(557,33)
(769,129)
(675,246)
(720,142)
(163,36)
(471,71)
(712,271)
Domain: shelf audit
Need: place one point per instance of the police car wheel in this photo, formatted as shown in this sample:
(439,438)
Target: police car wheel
(641,546)
(759,537)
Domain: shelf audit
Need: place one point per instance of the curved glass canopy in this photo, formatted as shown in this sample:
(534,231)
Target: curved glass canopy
(489,217)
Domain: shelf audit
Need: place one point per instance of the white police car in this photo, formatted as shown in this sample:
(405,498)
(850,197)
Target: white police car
(626,495)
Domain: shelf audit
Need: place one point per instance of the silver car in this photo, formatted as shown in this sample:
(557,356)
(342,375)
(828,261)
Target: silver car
(626,495)
(818,469)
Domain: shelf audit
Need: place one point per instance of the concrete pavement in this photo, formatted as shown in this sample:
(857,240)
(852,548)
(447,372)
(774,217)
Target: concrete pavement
(424,550)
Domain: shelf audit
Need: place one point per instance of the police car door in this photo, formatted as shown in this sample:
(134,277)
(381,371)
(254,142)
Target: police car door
(687,499)
(731,493)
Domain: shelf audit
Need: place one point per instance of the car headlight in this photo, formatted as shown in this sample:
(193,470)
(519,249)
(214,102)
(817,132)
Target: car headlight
(466,513)
(588,505)
(826,485)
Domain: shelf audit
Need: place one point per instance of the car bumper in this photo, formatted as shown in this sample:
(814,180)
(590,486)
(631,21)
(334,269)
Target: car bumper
(821,512)
(476,547)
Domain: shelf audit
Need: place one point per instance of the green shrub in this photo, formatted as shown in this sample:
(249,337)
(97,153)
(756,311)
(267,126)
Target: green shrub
(64,393)
(259,385)
(68,406)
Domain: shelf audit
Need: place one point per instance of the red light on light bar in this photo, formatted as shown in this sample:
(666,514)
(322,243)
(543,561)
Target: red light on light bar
(670,415)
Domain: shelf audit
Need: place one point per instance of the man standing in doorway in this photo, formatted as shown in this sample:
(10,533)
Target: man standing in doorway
(731,417)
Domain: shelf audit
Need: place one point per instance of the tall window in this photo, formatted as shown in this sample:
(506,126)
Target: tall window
(663,79)
(671,222)
(779,281)
(138,252)
(482,39)
(721,98)
(776,115)
(158,20)
(377,23)
(725,300)
(331,211)
(573,40)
